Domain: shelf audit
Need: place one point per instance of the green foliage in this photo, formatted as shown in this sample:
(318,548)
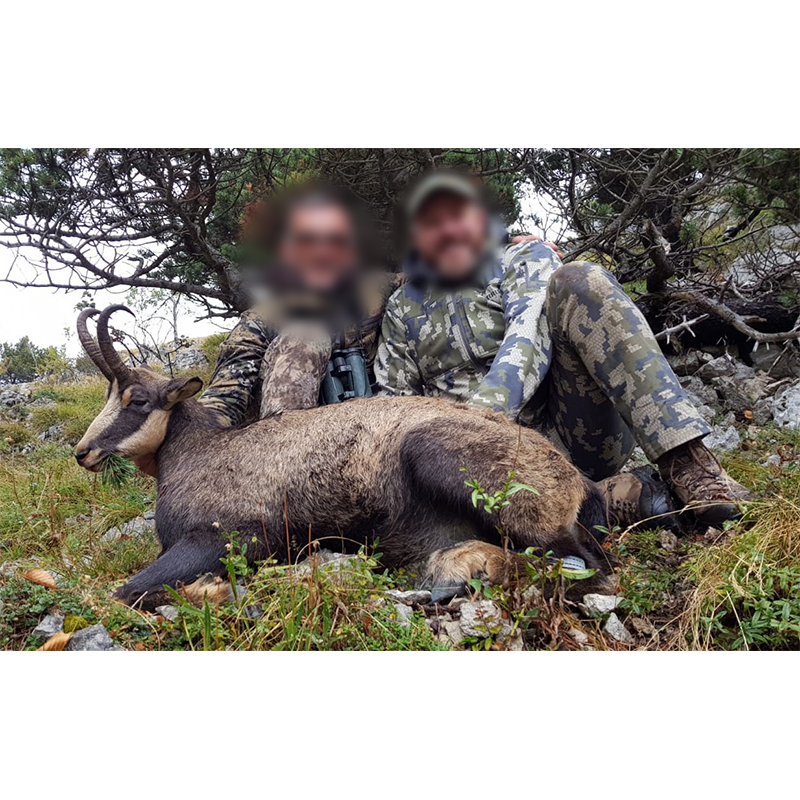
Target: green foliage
(76,405)
(320,609)
(211,345)
(117,471)
(648,575)
(496,501)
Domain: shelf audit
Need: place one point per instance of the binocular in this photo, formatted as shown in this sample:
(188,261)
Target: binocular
(346,377)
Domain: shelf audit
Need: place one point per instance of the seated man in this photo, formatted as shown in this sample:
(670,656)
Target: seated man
(562,348)
(317,276)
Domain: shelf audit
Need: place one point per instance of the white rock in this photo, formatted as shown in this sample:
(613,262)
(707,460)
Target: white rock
(190,359)
(786,408)
(415,597)
(482,619)
(579,636)
(404,614)
(616,630)
(599,604)
(134,527)
(452,632)
(168,612)
(12,397)
(722,439)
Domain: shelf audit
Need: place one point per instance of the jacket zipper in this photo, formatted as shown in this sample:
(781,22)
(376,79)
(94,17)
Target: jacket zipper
(458,305)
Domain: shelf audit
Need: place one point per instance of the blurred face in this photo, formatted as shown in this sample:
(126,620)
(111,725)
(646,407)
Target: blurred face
(449,232)
(319,247)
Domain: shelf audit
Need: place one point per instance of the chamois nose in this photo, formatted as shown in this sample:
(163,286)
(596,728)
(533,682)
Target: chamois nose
(81,454)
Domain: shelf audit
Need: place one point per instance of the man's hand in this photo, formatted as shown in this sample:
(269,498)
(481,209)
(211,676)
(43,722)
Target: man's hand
(529,237)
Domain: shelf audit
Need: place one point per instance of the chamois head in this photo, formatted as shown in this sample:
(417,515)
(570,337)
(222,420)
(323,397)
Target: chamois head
(133,422)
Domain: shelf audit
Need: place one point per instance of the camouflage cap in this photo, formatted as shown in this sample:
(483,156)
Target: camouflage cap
(441,181)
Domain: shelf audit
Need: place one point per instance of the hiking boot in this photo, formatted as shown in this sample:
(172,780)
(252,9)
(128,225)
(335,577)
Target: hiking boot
(632,497)
(701,484)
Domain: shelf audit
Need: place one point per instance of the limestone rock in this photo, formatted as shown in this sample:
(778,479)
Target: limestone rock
(168,612)
(616,630)
(52,434)
(191,358)
(49,626)
(722,439)
(598,605)
(20,393)
(404,614)
(482,619)
(724,367)
(95,638)
(786,408)
(134,527)
(414,597)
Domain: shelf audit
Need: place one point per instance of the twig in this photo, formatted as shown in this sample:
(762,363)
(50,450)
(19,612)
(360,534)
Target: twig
(685,325)
(733,319)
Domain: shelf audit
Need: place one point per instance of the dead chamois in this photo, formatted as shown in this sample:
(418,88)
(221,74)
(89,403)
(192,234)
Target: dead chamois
(390,469)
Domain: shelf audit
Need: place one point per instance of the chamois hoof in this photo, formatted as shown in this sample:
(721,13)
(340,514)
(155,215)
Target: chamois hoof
(444,594)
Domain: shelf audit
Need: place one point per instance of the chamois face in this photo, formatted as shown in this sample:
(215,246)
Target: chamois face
(134,420)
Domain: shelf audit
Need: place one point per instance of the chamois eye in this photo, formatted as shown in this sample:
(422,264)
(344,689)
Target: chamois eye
(137,403)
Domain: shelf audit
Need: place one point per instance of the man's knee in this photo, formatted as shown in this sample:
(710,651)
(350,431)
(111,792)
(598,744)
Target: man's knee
(582,278)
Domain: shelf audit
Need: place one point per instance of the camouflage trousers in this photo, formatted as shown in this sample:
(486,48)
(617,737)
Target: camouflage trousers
(609,386)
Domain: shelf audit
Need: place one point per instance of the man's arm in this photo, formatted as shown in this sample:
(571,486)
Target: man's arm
(236,374)
(396,371)
(526,349)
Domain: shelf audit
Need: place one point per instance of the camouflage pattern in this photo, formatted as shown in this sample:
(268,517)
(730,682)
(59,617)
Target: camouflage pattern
(562,348)
(235,387)
(609,386)
(294,364)
(487,343)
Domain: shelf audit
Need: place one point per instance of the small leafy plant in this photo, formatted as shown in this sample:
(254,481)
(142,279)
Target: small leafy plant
(495,501)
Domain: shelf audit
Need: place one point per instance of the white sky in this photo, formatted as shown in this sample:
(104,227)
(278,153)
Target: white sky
(47,316)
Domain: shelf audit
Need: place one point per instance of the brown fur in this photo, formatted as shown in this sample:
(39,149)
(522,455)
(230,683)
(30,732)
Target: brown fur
(387,469)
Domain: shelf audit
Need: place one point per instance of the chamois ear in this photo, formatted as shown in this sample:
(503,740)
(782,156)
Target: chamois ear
(181,389)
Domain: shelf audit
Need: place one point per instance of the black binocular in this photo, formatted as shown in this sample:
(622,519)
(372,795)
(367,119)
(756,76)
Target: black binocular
(346,377)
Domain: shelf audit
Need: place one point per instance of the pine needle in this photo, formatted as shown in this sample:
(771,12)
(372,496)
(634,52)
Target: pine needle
(117,471)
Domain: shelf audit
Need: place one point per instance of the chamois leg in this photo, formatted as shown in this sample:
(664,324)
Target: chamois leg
(449,570)
(438,457)
(182,563)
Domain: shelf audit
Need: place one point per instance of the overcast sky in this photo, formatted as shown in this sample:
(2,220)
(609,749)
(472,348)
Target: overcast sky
(47,316)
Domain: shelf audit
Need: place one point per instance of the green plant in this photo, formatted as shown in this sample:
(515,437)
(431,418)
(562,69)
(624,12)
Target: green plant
(116,471)
(495,501)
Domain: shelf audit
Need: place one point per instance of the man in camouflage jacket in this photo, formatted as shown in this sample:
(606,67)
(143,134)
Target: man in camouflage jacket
(561,347)
(318,277)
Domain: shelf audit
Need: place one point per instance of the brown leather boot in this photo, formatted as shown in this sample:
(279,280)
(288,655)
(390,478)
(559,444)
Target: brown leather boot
(701,484)
(637,496)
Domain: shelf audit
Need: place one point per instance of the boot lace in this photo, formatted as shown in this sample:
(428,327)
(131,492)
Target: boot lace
(696,469)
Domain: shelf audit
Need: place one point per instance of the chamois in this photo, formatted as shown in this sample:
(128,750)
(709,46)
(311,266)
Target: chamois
(387,468)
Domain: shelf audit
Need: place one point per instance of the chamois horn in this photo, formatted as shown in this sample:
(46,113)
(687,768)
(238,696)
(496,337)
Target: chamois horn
(89,344)
(119,370)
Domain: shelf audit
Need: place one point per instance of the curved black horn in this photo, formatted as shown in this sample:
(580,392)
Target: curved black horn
(119,370)
(89,344)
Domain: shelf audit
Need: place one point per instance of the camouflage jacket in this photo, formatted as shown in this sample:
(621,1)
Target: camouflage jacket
(488,344)
(235,386)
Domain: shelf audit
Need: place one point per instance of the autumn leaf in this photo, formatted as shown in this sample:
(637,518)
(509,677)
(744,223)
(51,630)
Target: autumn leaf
(41,577)
(58,641)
